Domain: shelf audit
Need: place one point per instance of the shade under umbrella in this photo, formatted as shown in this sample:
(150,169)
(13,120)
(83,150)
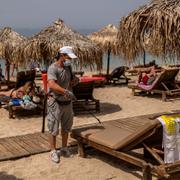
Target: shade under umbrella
(45,45)
(154,27)
(106,38)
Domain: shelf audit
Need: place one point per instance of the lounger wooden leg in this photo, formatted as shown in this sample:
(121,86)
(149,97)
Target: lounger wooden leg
(126,79)
(97,106)
(44,114)
(133,92)
(11,112)
(146,172)
(81,150)
(163,96)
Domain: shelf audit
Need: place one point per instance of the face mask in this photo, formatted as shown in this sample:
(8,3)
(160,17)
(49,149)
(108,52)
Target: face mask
(67,62)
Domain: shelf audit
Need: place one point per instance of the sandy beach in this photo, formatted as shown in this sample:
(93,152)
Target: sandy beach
(116,102)
(133,38)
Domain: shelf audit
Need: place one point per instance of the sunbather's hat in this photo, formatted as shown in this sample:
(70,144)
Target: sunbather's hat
(69,51)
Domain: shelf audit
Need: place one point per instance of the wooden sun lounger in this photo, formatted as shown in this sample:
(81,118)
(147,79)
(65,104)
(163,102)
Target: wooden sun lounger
(120,137)
(85,100)
(117,76)
(4,85)
(22,78)
(164,84)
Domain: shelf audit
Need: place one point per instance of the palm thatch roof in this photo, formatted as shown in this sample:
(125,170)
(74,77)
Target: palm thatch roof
(45,45)
(154,27)
(9,39)
(105,37)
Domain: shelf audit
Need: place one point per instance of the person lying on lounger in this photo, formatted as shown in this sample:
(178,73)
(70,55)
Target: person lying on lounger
(147,78)
(21,96)
(18,93)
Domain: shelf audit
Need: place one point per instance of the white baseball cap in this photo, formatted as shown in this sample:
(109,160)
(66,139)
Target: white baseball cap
(69,51)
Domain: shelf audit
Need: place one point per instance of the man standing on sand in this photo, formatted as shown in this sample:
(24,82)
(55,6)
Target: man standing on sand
(60,101)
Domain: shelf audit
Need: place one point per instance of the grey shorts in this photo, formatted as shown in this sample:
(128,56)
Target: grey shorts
(59,114)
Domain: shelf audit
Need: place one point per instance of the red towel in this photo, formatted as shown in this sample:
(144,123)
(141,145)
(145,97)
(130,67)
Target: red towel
(145,79)
(44,78)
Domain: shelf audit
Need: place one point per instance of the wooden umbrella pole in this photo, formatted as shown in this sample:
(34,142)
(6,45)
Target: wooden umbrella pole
(108,60)
(144,58)
(8,71)
(44,113)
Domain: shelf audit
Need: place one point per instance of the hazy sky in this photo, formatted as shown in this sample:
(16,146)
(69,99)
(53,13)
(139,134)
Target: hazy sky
(79,14)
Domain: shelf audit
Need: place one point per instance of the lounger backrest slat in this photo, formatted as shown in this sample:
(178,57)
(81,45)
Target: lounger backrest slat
(25,76)
(84,90)
(117,72)
(167,77)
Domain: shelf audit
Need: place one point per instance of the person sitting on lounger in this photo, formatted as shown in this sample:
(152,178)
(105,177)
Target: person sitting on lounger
(147,78)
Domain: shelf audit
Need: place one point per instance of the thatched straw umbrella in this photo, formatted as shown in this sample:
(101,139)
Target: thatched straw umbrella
(9,39)
(45,45)
(154,27)
(106,38)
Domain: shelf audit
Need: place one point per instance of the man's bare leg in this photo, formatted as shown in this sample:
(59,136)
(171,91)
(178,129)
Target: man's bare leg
(64,138)
(52,140)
